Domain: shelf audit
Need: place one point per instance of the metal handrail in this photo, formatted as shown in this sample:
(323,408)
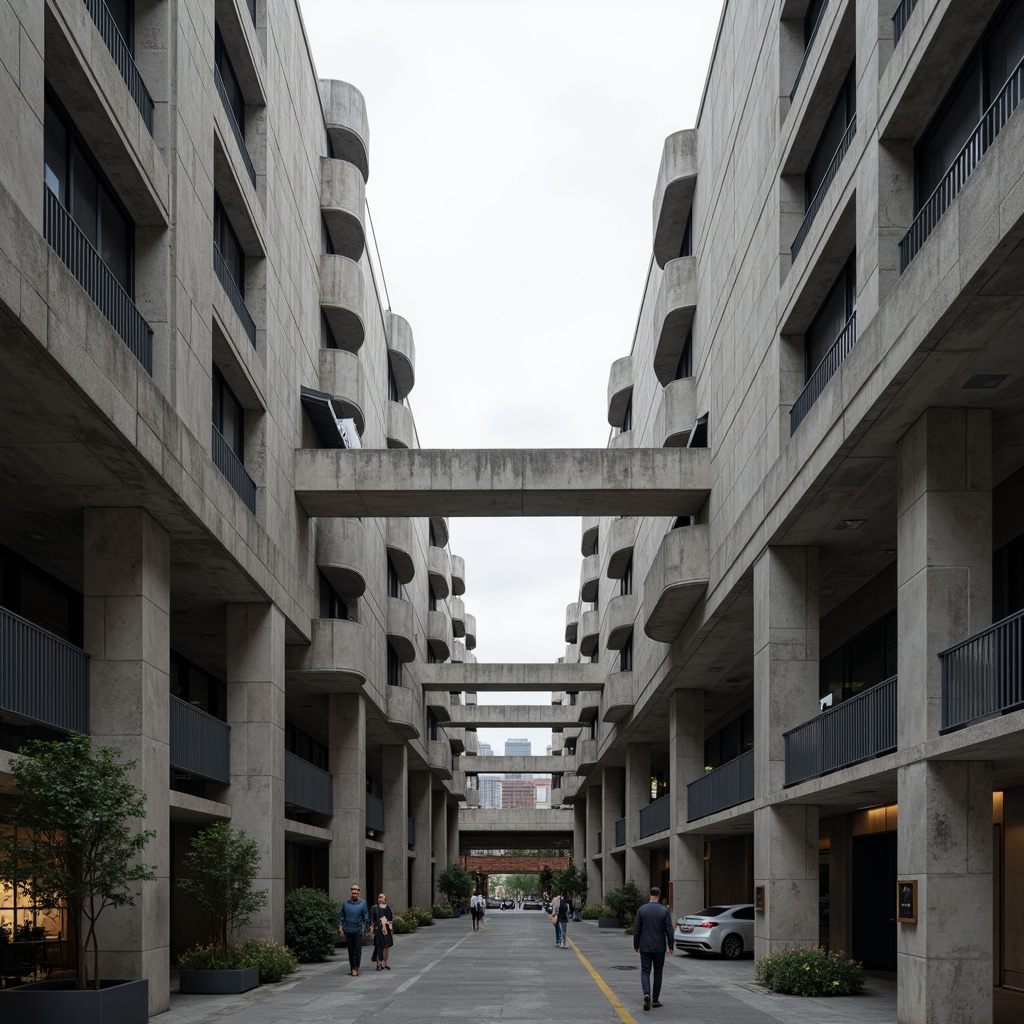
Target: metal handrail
(620,832)
(819,197)
(984,134)
(900,18)
(655,816)
(807,50)
(728,785)
(231,466)
(76,252)
(823,374)
(218,81)
(200,744)
(307,787)
(374,813)
(220,266)
(122,55)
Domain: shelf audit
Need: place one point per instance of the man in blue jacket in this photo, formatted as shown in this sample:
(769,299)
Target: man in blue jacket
(353,918)
(652,931)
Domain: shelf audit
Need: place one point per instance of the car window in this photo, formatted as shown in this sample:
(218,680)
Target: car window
(744,914)
(711,912)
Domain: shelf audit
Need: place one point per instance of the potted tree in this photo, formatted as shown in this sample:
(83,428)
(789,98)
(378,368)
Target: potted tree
(456,885)
(73,847)
(220,871)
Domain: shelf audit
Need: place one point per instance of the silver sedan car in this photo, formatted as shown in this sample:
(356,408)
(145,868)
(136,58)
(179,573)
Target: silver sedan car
(726,930)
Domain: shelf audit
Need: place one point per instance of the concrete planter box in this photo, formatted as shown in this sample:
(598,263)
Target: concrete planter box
(58,1002)
(609,922)
(218,983)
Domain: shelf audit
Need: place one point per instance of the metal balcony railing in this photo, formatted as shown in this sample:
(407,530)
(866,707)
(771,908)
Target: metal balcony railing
(990,125)
(122,55)
(410,823)
(200,743)
(727,786)
(76,252)
(984,674)
(824,373)
(307,787)
(807,50)
(43,678)
(235,296)
(620,833)
(861,727)
(819,197)
(900,18)
(228,463)
(218,81)
(374,813)
(655,816)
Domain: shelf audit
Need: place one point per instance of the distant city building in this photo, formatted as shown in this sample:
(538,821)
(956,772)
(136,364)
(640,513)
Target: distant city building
(490,791)
(542,790)
(518,794)
(518,748)
(485,750)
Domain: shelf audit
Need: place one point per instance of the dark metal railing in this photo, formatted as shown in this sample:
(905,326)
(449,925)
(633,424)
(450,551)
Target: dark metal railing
(819,197)
(43,678)
(727,786)
(200,743)
(900,18)
(374,812)
(984,674)
(861,727)
(123,58)
(307,787)
(824,373)
(76,252)
(218,81)
(620,833)
(807,50)
(410,824)
(237,300)
(655,816)
(960,170)
(230,465)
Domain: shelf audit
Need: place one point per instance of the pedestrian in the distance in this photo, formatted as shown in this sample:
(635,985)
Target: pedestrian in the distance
(652,932)
(476,909)
(382,925)
(561,909)
(353,917)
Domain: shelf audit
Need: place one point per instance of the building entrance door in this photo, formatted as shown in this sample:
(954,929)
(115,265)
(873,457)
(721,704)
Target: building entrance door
(874,901)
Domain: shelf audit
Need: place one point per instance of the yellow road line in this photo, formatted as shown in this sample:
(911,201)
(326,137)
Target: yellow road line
(624,1014)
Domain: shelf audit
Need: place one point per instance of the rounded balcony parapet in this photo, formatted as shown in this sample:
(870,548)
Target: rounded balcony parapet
(401,431)
(458,653)
(347,123)
(439,526)
(401,628)
(589,632)
(336,660)
(403,711)
(621,539)
(623,439)
(458,575)
(673,315)
(619,698)
(586,756)
(401,353)
(341,376)
(458,609)
(621,619)
(620,389)
(677,413)
(673,195)
(590,577)
(470,638)
(341,555)
(400,548)
(439,571)
(439,756)
(439,633)
(589,537)
(343,300)
(342,202)
(572,621)
(676,581)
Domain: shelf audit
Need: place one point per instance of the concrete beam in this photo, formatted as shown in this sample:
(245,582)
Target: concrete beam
(529,716)
(502,482)
(524,678)
(537,765)
(542,819)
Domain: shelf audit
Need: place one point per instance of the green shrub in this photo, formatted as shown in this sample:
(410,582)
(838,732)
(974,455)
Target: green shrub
(274,961)
(810,971)
(207,958)
(310,924)
(403,926)
(441,910)
(623,903)
(593,911)
(421,916)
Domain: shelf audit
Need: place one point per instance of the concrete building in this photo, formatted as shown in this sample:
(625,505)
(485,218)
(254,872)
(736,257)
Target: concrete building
(518,794)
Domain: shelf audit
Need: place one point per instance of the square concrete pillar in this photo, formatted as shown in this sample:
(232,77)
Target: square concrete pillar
(395,784)
(944,565)
(346,727)
(419,809)
(611,810)
(126,583)
(439,839)
(686,764)
(638,795)
(579,834)
(595,871)
(944,961)
(255,684)
(454,849)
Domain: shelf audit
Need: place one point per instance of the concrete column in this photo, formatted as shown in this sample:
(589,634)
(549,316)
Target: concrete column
(579,834)
(395,782)
(785,694)
(611,811)
(686,763)
(419,808)
(126,577)
(438,839)
(255,683)
(346,725)
(638,794)
(595,870)
(453,834)
(944,565)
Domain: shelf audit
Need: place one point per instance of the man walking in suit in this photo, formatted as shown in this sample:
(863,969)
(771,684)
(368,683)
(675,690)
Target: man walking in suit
(652,931)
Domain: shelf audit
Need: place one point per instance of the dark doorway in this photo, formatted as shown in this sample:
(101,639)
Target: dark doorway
(874,901)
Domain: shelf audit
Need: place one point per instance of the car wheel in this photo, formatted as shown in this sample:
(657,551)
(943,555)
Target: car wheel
(732,947)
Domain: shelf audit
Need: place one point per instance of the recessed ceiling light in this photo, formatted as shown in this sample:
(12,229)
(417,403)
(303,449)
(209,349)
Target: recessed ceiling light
(850,524)
(985,380)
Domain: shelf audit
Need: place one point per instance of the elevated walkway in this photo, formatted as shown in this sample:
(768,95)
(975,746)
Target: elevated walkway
(516,678)
(497,763)
(528,716)
(515,829)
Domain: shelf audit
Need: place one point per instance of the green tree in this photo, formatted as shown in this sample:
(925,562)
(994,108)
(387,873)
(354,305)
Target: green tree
(72,844)
(221,869)
(546,874)
(624,901)
(570,880)
(456,884)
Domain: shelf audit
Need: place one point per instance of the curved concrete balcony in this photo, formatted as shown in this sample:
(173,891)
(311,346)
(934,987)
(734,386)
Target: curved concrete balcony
(341,555)
(458,785)
(620,389)
(439,571)
(342,202)
(347,124)
(589,632)
(470,657)
(472,742)
(458,575)
(399,545)
(438,704)
(556,796)
(439,757)
(403,711)
(341,376)
(677,413)
(673,196)
(458,609)
(673,315)
(590,577)
(439,525)
(676,581)
(439,634)
(572,621)
(470,637)
(472,798)
(623,439)
(621,619)
(343,299)
(588,539)
(458,653)
(401,353)
(401,426)
(621,538)
(334,662)
(588,703)
(618,697)
(401,628)
(586,756)
(456,739)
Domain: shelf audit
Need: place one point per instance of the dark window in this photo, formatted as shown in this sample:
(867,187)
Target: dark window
(860,663)
(39,597)
(595,657)
(301,744)
(325,238)
(684,368)
(431,656)
(699,435)
(431,599)
(431,725)
(198,687)
(626,583)
(227,242)
(627,416)
(122,12)
(431,536)
(831,136)
(227,73)
(394,667)
(327,339)
(228,415)
(593,729)
(814,11)
(832,316)
(331,604)
(394,587)
(686,248)
(733,739)
(1008,579)
(392,384)
(626,656)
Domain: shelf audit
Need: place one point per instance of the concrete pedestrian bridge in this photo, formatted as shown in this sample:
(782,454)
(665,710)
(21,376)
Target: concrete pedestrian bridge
(515,829)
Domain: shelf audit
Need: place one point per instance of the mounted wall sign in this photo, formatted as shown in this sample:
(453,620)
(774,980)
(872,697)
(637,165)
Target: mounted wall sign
(906,901)
(759,898)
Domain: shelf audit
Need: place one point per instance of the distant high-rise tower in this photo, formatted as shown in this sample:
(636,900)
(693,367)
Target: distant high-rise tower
(485,750)
(518,748)
(490,790)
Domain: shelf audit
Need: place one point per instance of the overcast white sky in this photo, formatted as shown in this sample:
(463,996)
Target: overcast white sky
(514,151)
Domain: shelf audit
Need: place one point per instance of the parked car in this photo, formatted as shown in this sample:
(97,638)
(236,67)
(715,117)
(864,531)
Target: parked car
(725,930)
(508,903)
(493,903)
(532,903)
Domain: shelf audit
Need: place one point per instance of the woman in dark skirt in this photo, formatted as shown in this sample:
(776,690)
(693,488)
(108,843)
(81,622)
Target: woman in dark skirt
(382,925)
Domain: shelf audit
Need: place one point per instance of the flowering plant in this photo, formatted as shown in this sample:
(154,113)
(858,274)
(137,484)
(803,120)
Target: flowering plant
(810,971)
